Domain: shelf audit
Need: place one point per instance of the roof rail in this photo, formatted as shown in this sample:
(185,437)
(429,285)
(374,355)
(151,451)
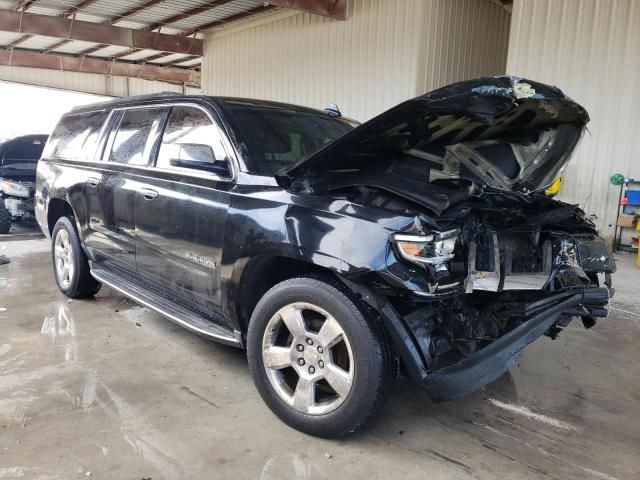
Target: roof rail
(152,95)
(115,101)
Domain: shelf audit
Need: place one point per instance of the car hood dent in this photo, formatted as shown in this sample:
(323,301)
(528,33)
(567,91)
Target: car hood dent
(503,132)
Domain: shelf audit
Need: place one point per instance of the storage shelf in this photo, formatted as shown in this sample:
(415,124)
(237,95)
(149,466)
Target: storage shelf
(624,201)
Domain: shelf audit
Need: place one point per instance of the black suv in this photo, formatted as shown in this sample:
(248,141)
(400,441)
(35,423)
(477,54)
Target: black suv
(334,253)
(18,160)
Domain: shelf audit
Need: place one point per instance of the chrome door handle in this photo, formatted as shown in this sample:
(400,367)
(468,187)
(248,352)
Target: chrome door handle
(149,194)
(93,181)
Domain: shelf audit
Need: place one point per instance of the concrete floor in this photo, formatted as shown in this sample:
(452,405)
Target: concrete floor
(108,389)
(22,230)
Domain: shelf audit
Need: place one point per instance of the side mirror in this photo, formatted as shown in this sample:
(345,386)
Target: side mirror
(200,157)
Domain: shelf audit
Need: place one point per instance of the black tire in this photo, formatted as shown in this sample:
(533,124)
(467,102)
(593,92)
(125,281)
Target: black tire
(82,284)
(374,362)
(5,219)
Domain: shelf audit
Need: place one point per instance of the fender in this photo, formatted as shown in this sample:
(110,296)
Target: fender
(313,232)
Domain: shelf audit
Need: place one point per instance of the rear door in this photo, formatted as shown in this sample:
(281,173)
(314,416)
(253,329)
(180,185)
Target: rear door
(181,211)
(113,192)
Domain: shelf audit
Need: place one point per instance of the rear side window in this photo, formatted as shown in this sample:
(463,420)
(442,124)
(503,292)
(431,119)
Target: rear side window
(76,136)
(137,135)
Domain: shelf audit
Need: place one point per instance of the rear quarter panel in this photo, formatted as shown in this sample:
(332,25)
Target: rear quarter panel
(63,180)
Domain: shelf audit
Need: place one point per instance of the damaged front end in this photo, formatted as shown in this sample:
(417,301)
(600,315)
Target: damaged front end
(489,263)
(18,198)
(18,161)
(515,273)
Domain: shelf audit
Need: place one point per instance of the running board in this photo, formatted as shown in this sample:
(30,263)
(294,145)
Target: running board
(176,313)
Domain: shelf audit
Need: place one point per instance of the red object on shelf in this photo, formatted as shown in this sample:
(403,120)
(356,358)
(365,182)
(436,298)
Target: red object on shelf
(624,201)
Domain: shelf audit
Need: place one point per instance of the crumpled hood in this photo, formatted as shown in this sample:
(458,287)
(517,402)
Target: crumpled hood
(503,132)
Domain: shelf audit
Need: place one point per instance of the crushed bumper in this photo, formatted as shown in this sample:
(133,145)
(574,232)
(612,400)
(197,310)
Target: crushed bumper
(19,207)
(494,360)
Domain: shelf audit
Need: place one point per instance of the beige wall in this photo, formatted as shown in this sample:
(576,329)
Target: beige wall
(462,39)
(387,51)
(591,50)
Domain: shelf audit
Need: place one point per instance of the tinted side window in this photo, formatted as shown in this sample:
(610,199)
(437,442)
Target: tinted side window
(136,136)
(192,141)
(75,137)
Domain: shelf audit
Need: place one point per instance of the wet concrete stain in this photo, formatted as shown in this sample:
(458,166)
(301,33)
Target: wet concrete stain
(461,465)
(531,415)
(198,396)
(83,390)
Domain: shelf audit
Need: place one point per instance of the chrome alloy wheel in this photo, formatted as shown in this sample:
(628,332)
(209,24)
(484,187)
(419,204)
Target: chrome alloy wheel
(308,358)
(63,253)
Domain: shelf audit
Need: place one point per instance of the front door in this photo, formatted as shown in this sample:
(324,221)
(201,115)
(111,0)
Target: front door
(181,211)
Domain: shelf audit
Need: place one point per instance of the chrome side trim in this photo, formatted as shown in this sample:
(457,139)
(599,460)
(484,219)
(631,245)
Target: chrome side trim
(173,318)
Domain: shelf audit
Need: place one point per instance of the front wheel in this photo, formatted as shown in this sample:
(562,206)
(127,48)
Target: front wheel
(70,265)
(317,361)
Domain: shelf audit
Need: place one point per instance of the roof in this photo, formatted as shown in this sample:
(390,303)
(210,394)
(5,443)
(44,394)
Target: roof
(163,96)
(156,34)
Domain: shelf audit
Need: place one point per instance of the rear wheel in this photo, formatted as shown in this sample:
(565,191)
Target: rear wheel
(317,361)
(70,265)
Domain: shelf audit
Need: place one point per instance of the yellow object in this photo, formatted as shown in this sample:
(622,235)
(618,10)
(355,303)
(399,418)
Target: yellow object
(554,188)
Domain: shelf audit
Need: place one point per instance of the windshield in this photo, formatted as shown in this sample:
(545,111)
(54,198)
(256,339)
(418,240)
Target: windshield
(278,136)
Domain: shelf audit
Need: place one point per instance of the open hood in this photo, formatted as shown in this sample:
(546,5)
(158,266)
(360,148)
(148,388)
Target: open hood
(503,132)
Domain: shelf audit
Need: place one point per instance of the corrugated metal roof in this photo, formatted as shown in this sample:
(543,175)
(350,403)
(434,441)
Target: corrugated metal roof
(166,9)
(172,58)
(190,63)
(75,47)
(7,37)
(45,9)
(216,14)
(111,8)
(109,51)
(39,42)
(140,55)
(86,17)
(110,11)
(174,17)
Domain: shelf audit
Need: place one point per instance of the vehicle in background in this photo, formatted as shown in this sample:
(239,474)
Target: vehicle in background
(334,253)
(18,161)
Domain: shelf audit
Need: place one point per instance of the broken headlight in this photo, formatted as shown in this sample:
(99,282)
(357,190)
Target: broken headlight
(13,189)
(433,249)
